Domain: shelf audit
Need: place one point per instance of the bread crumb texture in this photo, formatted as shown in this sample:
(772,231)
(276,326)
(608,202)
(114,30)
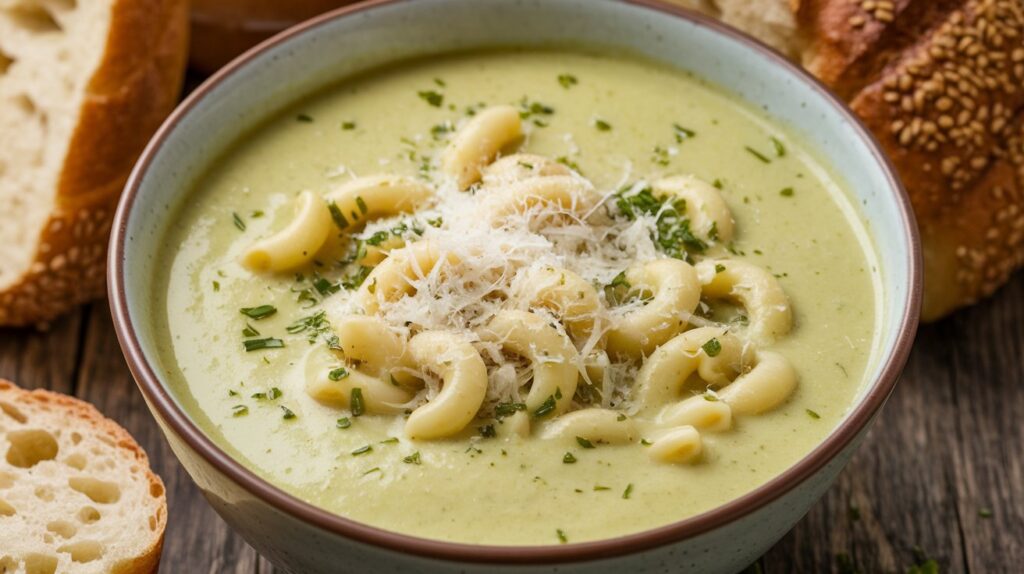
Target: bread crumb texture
(76,491)
(83,84)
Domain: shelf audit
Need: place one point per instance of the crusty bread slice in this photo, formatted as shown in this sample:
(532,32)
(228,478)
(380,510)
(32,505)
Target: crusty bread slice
(76,492)
(83,85)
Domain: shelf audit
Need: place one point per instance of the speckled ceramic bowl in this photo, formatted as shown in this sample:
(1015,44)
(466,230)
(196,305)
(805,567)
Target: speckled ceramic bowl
(302,538)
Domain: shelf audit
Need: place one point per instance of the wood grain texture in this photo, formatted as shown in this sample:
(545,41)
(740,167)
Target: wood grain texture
(942,470)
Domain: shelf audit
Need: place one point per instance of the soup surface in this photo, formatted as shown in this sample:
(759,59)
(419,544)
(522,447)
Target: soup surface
(620,123)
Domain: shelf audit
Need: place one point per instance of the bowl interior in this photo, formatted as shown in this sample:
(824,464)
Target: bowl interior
(330,49)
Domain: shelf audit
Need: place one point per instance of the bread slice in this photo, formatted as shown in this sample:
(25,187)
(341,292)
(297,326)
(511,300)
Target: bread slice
(771,21)
(83,85)
(76,492)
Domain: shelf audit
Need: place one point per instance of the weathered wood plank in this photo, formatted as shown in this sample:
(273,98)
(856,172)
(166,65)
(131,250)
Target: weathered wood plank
(899,492)
(197,540)
(43,359)
(988,353)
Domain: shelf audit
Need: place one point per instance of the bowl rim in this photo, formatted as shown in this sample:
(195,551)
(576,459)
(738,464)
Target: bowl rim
(163,404)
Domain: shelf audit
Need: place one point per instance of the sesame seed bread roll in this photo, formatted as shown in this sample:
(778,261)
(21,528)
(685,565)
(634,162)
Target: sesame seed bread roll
(77,495)
(83,85)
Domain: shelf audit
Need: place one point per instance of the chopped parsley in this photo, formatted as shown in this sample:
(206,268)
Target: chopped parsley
(569,458)
(287,413)
(239,410)
(682,134)
(780,150)
(313,325)
(260,344)
(356,402)
(250,331)
(487,431)
(337,215)
(719,268)
(672,233)
(431,97)
(354,280)
(304,118)
(337,374)
(602,125)
(273,393)
(567,80)
(712,347)
(238,221)
(261,312)
(813,414)
(546,408)
(413,458)
(585,443)
(599,488)
(786,192)
(362,450)
(343,423)
(348,126)
(561,536)
(216,285)
(502,410)
(628,492)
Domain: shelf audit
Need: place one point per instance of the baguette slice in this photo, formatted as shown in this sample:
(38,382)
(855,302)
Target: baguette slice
(83,85)
(76,492)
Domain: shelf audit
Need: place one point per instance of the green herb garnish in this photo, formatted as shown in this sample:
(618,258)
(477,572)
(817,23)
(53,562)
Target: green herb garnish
(585,443)
(546,408)
(356,402)
(757,154)
(343,423)
(337,215)
(786,192)
(287,414)
(719,268)
(349,125)
(239,410)
(567,80)
(238,221)
(431,97)
(780,150)
(261,312)
(599,488)
(628,492)
(682,134)
(260,344)
(362,450)
(487,431)
(502,410)
(337,374)
(305,118)
(712,347)
(602,126)
(561,536)
(813,414)
(250,331)
(413,458)
(672,233)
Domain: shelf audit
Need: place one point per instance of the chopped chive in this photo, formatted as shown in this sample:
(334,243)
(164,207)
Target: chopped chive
(628,492)
(567,80)
(288,414)
(374,469)
(260,312)
(712,347)
(780,150)
(645,442)
(757,154)
(232,393)
(440,82)
(503,410)
(710,397)
(602,126)
(337,374)
(390,440)
(584,442)
(356,402)
(337,215)
(260,344)
(362,450)
(561,536)
(569,458)
(349,125)
(599,488)
(431,97)
(487,431)
(238,221)
(344,423)
(786,192)
(620,418)
(361,205)
(250,331)
(413,458)
(239,410)
(274,393)
(304,118)
(813,414)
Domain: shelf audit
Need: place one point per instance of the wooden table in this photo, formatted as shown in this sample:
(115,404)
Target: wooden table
(942,470)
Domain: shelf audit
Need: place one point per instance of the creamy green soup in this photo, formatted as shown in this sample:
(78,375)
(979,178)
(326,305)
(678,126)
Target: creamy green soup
(617,121)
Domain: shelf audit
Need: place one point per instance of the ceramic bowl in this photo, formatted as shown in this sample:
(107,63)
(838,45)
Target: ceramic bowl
(302,538)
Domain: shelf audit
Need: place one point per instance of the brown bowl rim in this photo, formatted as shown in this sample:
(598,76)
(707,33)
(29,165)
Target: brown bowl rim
(160,399)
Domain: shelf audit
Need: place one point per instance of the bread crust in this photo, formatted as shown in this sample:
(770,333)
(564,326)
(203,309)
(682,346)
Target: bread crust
(147,562)
(135,86)
(941,85)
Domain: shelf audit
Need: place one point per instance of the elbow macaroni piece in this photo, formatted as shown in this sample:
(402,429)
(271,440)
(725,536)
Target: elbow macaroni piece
(297,243)
(566,192)
(676,294)
(681,445)
(378,396)
(698,412)
(756,289)
(603,426)
(567,295)
(477,143)
(763,388)
(379,351)
(552,354)
(707,211)
(463,389)
(663,374)
(366,198)
(392,279)
(520,166)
